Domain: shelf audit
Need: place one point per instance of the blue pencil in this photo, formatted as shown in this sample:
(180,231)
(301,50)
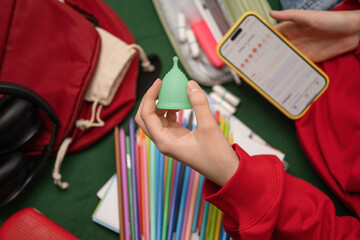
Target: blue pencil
(227,237)
(180,217)
(160,189)
(155,189)
(174,201)
(179,195)
(152,191)
(134,180)
(223,235)
(197,204)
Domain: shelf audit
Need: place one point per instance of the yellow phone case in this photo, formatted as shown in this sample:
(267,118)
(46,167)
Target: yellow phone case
(230,32)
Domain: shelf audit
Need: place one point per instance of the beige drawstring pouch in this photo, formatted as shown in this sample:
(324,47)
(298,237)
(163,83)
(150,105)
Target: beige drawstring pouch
(114,61)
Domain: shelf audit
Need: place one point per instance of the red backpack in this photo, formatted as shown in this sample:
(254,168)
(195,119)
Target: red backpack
(53,48)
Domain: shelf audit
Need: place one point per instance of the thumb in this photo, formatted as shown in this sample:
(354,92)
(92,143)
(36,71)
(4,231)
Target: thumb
(199,103)
(299,16)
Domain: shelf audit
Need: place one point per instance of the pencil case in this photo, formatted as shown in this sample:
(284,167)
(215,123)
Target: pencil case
(30,224)
(204,69)
(199,69)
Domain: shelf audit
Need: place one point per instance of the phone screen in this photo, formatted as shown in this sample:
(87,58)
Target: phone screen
(272,65)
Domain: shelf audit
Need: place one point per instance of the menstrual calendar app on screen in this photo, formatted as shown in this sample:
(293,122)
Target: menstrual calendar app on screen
(272,65)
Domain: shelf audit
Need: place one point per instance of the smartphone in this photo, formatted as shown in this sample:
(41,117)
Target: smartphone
(272,65)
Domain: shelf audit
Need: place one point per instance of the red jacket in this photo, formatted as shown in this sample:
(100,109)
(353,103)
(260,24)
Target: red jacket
(261,201)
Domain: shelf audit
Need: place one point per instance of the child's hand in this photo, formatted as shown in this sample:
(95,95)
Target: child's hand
(320,35)
(204,149)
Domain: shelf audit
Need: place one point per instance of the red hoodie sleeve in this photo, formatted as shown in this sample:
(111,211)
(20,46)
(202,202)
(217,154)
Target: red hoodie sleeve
(329,133)
(261,201)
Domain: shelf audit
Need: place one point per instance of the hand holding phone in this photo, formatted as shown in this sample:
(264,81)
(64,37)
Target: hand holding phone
(320,35)
(270,64)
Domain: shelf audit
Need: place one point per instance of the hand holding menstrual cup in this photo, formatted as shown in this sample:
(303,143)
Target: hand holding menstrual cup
(173,92)
(205,148)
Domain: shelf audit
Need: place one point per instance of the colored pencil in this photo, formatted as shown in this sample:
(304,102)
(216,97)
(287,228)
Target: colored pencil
(187,204)
(141,176)
(139,185)
(133,178)
(204,220)
(213,217)
(156,187)
(148,156)
(218,225)
(197,204)
(179,195)
(231,138)
(152,191)
(182,174)
(223,234)
(119,184)
(165,173)
(222,123)
(208,222)
(181,210)
(130,188)
(172,182)
(124,185)
(179,120)
(167,197)
(201,213)
(227,128)
(217,115)
(192,205)
(180,116)
(145,184)
(174,203)
(160,189)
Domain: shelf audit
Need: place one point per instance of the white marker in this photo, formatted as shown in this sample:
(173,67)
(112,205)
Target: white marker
(223,103)
(181,27)
(226,95)
(194,46)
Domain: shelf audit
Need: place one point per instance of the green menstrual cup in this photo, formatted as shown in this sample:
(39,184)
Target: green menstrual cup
(173,93)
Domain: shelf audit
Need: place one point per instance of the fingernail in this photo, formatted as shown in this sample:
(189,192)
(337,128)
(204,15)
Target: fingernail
(193,86)
(156,82)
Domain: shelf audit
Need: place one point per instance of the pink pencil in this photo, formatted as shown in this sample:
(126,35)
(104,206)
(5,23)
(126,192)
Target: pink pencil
(188,198)
(144,172)
(192,205)
(125,186)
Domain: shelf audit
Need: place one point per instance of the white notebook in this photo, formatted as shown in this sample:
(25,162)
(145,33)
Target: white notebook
(107,211)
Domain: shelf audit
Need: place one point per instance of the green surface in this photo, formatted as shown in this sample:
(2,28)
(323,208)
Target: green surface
(88,170)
